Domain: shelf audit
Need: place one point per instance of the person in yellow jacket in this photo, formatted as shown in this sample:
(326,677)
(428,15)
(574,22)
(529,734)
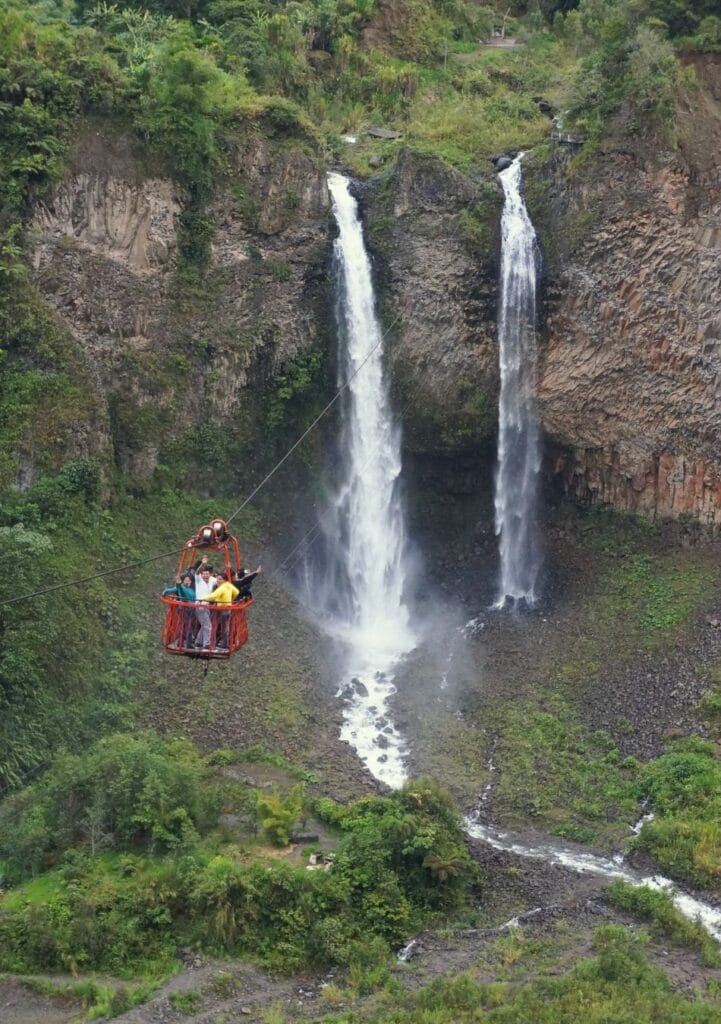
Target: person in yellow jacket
(224,594)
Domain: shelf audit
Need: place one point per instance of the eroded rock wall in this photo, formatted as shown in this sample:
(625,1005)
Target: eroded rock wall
(630,379)
(174,355)
(435,234)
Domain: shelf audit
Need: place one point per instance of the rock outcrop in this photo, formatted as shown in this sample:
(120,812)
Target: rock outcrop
(172,355)
(631,369)
(630,357)
(435,233)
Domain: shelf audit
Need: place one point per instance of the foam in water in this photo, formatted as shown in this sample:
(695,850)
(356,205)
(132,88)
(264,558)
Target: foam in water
(608,867)
(357,584)
(518,436)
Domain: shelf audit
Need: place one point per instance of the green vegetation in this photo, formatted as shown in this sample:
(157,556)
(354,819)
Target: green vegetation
(185,1002)
(128,792)
(114,855)
(70,661)
(278,814)
(668,923)
(684,790)
(99,1001)
(710,708)
(554,770)
(616,985)
(125,880)
(556,774)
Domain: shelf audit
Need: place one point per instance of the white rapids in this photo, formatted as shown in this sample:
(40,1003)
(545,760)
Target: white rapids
(590,863)
(358,590)
(519,449)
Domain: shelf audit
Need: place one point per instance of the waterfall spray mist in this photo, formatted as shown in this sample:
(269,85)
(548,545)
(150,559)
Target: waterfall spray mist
(518,435)
(357,577)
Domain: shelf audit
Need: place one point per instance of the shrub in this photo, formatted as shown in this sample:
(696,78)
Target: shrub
(658,908)
(278,815)
(126,792)
(684,787)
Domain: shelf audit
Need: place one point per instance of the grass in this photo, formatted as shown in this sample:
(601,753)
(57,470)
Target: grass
(684,790)
(710,707)
(450,750)
(556,775)
(185,1002)
(99,1000)
(668,923)
(463,112)
(615,986)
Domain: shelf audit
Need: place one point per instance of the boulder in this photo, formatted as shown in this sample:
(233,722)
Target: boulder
(383,133)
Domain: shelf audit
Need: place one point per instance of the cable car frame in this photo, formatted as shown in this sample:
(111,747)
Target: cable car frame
(228,622)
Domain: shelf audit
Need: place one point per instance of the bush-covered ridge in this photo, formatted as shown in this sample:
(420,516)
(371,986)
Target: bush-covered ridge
(684,789)
(130,864)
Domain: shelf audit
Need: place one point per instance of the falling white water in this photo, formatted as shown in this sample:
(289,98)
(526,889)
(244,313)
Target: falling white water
(608,867)
(356,582)
(518,437)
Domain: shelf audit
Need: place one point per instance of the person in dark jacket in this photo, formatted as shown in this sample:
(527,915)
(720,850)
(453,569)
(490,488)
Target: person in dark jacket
(243,580)
(184,590)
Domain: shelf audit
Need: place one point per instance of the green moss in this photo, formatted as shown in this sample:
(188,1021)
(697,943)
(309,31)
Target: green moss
(296,392)
(478,223)
(556,774)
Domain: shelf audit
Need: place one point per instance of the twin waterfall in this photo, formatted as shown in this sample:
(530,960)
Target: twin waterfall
(519,450)
(357,579)
(358,575)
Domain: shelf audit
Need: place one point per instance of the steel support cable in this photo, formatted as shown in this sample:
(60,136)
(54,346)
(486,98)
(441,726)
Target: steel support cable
(246,501)
(175,551)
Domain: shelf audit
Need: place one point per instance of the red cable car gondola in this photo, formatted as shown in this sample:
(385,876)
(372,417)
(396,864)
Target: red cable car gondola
(228,622)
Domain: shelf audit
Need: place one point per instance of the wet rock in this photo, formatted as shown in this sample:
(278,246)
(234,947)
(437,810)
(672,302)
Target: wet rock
(544,106)
(381,741)
(360,688)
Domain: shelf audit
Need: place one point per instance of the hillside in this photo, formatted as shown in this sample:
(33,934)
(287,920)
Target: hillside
(172,320)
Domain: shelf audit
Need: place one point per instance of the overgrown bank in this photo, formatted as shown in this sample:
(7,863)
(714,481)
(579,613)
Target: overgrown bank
(130,862)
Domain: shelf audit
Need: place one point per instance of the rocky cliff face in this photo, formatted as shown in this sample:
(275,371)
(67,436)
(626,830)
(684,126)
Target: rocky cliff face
(435,232)
(173,355)
(631,368)
(630,365)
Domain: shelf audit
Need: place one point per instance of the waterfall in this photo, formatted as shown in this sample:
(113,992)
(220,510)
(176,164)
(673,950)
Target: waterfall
(357,576)
(518,436)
